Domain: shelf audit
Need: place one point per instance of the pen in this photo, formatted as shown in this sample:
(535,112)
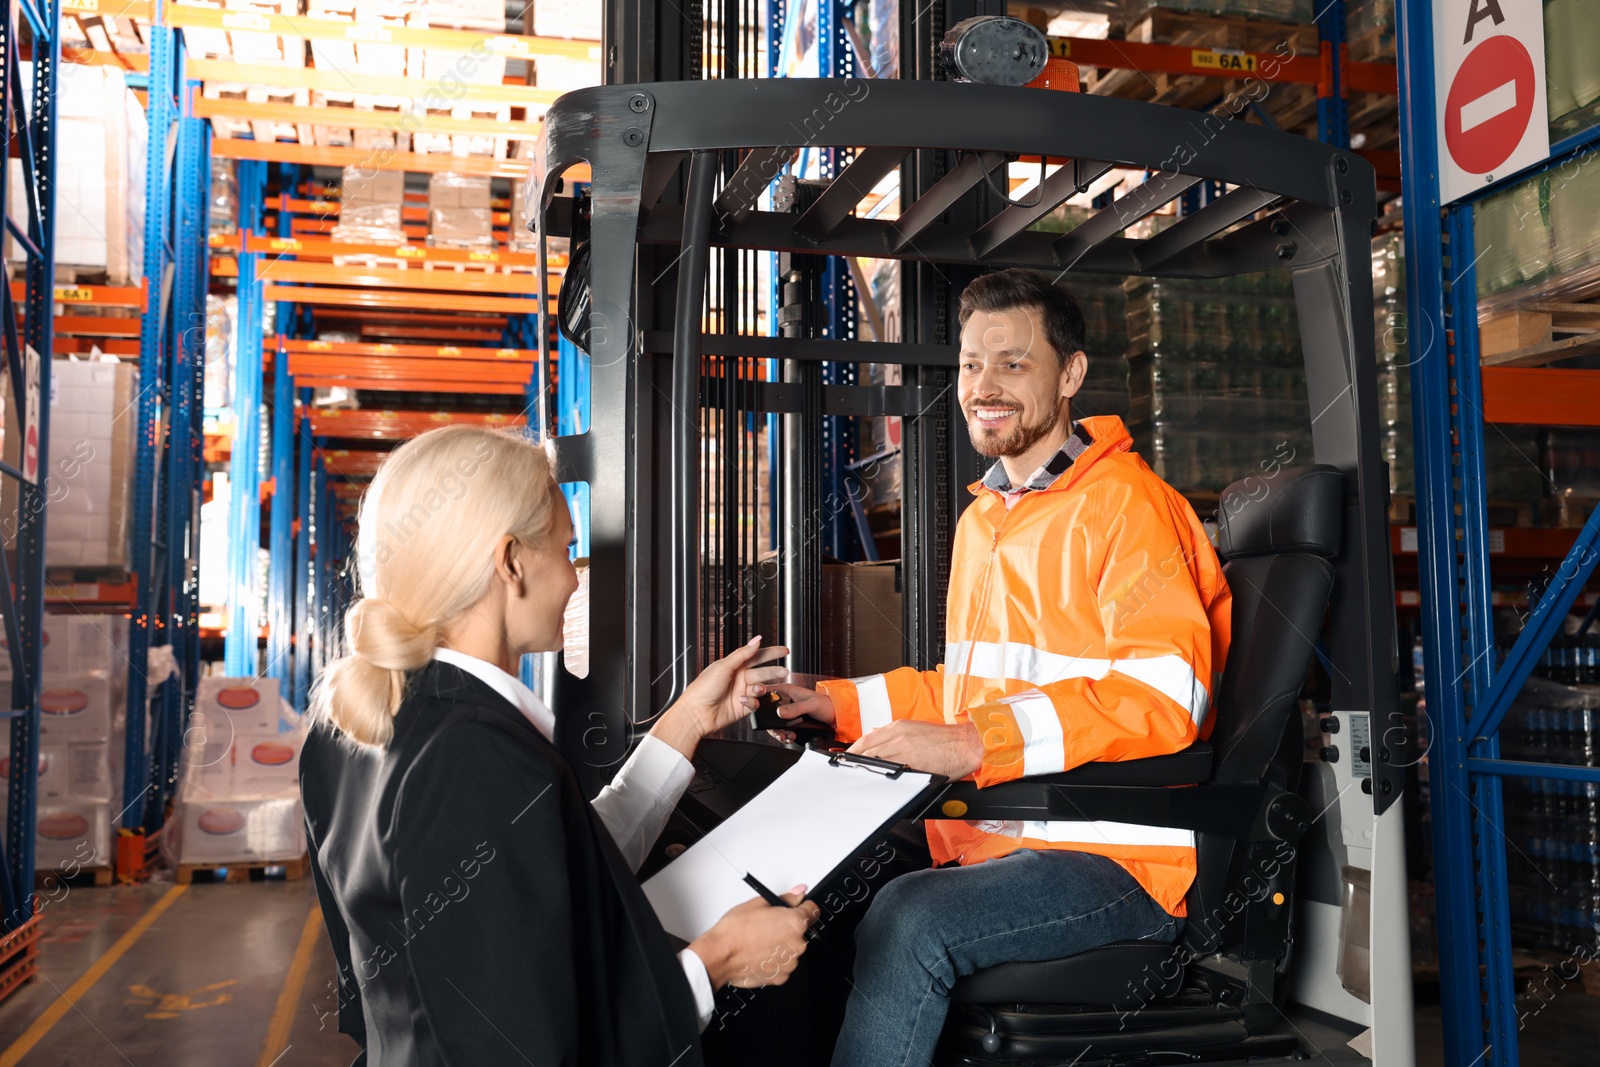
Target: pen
(766,894)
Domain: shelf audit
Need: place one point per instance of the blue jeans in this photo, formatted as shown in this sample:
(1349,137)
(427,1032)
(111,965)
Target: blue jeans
(926,929)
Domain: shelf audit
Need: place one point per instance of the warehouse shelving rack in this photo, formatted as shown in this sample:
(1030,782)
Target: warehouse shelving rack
(1469,687)
(170,439)
(30,124)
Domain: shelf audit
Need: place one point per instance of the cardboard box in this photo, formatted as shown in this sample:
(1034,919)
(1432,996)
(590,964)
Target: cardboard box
(72,834)
(579,19)
(240,766)
(242,831)
(75,772)
(76,709)
(371,202)
(233,707)
(861,622)
(488,15)
(89,478)
(77,644)
(459,214)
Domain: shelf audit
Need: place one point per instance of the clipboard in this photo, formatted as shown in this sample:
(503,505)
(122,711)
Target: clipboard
(802,829)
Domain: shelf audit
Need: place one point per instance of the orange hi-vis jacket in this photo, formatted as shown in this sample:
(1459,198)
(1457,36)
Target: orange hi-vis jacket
(1085,623)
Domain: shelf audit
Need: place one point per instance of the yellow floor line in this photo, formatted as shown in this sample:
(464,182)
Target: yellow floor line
(283,1015)
(65,1002)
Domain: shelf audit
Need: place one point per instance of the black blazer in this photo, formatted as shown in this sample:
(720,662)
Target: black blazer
(479,911)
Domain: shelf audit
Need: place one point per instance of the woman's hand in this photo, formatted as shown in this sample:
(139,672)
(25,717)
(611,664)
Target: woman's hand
(725,692)
(757,944)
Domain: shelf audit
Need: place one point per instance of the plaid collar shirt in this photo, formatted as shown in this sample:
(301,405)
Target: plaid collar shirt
(1077,444)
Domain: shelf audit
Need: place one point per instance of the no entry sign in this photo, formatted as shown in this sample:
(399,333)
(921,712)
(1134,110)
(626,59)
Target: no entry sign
(1489,80)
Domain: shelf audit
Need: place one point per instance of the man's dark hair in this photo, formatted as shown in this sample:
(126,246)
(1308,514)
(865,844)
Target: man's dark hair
(1009,289)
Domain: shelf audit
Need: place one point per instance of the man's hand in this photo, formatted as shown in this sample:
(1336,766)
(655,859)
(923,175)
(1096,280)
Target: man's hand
(953,751)
(798,700)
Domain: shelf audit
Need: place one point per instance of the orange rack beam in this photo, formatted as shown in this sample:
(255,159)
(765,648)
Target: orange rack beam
(1221,63)
(181,16)
(410,385)
(333,81)
(1541,396)
(125,296)
(399,425)
(356,348)
(398,300)
(412,211)
(95,326)
(351,463)
(127,9)
(379,159)
(422,121)
(467,281)
(316,248)
(462,370)
(421,318)
(329,209)
(122,348)
(427,333)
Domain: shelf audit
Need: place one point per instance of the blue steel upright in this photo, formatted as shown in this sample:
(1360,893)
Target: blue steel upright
(30,122)
(836,58)
(163,111)
(280,566)
(184,457)
(1333,110)
(1469,689)
(244,507)
(304,599)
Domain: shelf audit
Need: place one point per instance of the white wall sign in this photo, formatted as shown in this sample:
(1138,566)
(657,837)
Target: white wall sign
(1488,58)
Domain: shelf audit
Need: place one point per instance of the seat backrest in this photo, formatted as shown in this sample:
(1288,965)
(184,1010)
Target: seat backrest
(1276,536)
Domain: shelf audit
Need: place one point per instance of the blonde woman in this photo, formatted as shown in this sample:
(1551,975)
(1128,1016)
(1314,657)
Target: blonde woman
(481,910)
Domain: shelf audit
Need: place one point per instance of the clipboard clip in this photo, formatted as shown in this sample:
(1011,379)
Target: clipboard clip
(887,768)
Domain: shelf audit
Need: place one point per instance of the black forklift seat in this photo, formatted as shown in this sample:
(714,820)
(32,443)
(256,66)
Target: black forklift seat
(1276,535)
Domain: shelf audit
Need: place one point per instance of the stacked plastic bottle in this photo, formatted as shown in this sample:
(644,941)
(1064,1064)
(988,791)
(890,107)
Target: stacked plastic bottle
(1361,16)
(1553,868)
(1572,65)
(1105,387)
(1512,454)
(1216,382)
(1394,370)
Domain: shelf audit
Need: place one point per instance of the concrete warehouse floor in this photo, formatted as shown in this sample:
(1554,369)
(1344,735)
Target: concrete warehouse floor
(214,975)
(203,975)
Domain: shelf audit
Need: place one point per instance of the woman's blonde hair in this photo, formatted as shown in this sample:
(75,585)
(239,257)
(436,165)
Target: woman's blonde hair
(424,555)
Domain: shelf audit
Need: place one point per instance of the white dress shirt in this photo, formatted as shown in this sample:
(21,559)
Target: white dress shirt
(634,807)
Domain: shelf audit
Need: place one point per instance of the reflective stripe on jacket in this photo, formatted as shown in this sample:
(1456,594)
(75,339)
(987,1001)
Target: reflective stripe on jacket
(1084,624)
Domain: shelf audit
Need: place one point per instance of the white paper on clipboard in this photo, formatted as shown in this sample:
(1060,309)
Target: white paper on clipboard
(813,818)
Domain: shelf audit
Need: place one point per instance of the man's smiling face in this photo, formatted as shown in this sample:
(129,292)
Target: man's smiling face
(1013,387)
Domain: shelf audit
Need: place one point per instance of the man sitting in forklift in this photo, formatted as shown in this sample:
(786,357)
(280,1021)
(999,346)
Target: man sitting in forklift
(1087,612)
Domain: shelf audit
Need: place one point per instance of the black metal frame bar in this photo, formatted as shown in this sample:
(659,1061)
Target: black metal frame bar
(1322,202)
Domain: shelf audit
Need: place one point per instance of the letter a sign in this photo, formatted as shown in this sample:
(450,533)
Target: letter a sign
(1489,83)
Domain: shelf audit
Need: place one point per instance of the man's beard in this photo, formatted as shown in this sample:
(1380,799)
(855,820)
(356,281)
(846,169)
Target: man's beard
(1018,440)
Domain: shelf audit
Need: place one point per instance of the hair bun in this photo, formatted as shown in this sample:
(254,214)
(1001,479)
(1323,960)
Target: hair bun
(381,635)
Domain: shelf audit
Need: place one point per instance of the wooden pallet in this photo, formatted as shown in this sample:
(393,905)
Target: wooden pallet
(293,870)
(80,877)
(1538,332)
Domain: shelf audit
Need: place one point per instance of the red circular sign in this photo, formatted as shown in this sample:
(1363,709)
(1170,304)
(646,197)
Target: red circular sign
(1490,103)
